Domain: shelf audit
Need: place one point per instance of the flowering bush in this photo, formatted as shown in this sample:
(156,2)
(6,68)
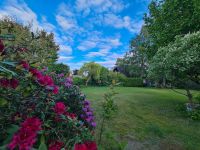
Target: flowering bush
(40,110)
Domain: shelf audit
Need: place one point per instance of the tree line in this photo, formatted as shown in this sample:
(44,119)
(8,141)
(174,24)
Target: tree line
(166,52)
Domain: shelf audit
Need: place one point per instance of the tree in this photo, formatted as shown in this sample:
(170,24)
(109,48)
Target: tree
(134,63)
(91,71)
(59,68)
(104,76)
(40,46)
(179,61)
(169,18)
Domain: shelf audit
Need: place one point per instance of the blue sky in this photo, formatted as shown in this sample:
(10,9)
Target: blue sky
(86,30)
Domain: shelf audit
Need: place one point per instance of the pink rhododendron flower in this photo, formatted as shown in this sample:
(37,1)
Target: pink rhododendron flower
(86,146)
(36,73)
(71,115)
(80,146)
(26,136)
(91,145)
(25,65)
(56,145)
(22,49)
(14,83)
(56,90)
(4,82)
(59,108)
(1,46)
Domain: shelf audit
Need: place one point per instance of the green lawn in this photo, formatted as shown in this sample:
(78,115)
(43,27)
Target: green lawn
(147,119)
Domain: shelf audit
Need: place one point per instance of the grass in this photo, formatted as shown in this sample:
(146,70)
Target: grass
(146,119)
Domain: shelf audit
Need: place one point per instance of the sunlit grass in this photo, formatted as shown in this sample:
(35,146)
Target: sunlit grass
(149,116)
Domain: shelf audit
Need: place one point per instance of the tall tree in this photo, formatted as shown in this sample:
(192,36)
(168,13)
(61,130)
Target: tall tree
(134,63)
(168,18)
(179,62)
(40,45)
(91,71)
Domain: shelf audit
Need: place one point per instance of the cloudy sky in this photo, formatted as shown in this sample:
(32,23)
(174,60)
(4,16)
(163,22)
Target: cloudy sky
(86,30)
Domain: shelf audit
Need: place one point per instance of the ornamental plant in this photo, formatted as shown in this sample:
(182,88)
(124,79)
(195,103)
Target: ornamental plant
(40,110)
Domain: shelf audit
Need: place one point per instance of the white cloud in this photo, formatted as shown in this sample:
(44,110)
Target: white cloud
(119,22)
(46,25)
(64,49)
(87,45)
(64,58)
(109,63)
(66,23)
(99,6)
(20,11)
(100,53)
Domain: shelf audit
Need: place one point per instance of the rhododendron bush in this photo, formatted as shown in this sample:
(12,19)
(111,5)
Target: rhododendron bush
(40,110)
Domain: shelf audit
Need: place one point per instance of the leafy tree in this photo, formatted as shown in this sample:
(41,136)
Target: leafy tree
(59,68)
(40,46)
(169,18)
(91,71)
(134,63)
(179,61)
(104,76)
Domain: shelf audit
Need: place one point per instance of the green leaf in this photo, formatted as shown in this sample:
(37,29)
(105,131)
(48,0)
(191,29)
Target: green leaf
(42,146)
(12,129)
(3,101)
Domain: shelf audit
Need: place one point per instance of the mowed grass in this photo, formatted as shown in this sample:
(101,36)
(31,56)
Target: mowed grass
(147,119)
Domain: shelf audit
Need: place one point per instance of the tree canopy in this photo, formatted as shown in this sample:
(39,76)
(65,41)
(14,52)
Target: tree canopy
(40,45)
(169,18)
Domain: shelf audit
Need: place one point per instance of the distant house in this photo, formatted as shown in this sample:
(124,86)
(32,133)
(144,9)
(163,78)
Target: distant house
(117,69)
(75,72)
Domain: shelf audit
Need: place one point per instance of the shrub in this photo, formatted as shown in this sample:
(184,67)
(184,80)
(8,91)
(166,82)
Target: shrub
(79,81)
(117,77)
(35,105)
(133,82)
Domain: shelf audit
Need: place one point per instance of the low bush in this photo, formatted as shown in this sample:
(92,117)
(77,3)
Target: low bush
(41,110)
(133,82)
(79,81)
(116,77)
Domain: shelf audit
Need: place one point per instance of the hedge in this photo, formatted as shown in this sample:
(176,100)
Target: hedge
(79,81)
(133,82)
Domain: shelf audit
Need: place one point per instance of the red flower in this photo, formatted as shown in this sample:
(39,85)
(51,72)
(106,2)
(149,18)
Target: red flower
(71,115)
(25,65)
(4,82)
(60,108)
(56,145)
(49,80)
(14,83)
(91,145)
(23,49)
(56,90)
(36,73)
(45,80)
(1,46)
(26,136)
(80,146)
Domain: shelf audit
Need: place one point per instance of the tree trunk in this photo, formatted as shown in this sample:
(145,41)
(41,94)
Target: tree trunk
(86,83)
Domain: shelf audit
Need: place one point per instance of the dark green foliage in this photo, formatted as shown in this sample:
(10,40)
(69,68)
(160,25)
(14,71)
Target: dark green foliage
(59,68)
(109,109)
(79,81)
(194,114)
(40,45)
(104,72)
(116,77)
(133,82)
(134,63)
(170,18)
